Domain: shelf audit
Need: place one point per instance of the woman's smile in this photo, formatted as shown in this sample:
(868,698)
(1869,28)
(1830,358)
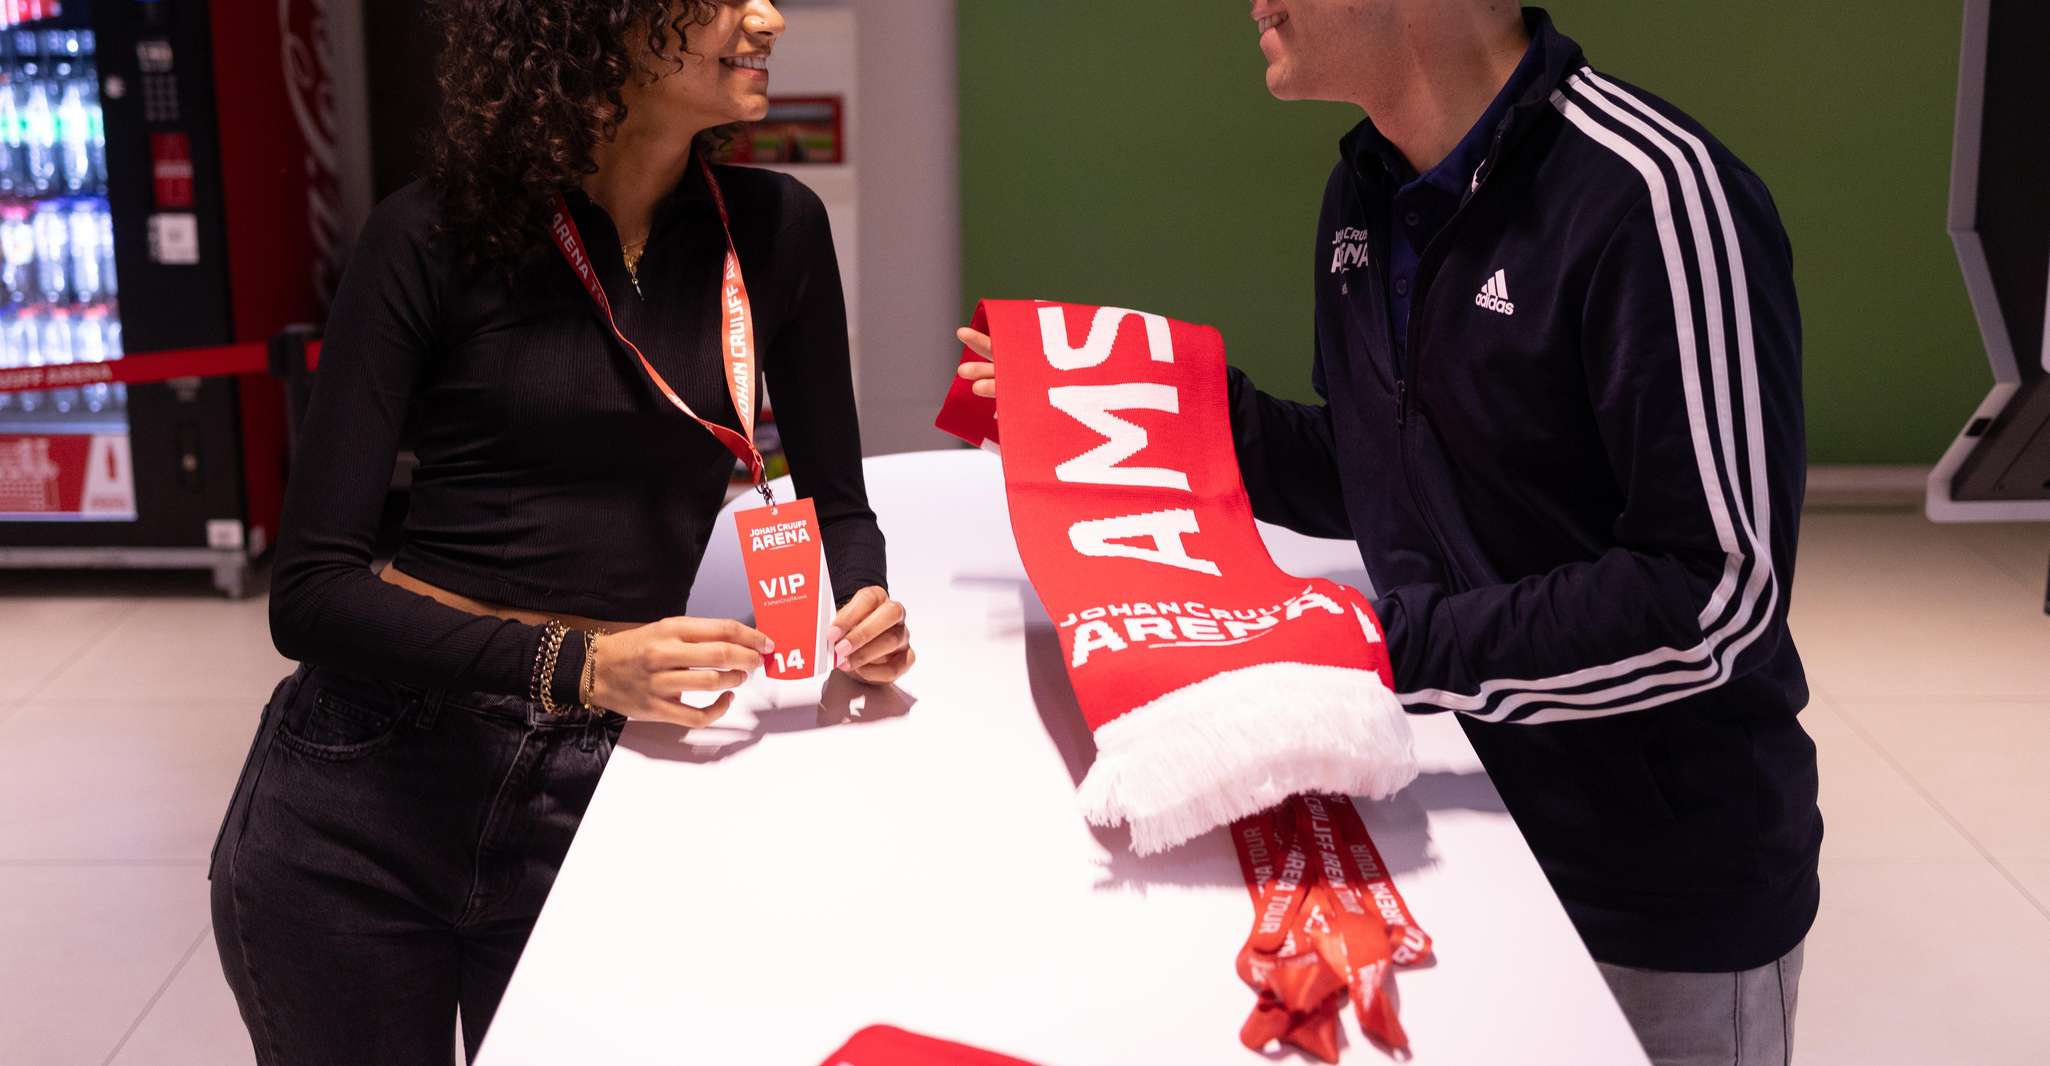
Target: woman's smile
(751,65)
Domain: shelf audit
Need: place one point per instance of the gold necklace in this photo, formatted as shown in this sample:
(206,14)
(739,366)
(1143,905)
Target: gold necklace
(631,254)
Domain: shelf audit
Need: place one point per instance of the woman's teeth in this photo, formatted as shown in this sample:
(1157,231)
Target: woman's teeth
(747,62)
(1272,21)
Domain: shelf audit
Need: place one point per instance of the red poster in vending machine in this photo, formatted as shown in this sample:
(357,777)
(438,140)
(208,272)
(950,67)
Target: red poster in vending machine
(171,177)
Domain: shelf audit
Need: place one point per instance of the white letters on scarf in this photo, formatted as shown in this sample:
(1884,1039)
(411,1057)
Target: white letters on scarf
(1103,335)
(1099,537)
(1092,405)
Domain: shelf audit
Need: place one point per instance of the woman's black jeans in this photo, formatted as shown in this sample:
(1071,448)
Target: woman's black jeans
(383,859)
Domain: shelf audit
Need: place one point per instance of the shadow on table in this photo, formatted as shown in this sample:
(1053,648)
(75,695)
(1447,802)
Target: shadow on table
(1401,823)
(843,701)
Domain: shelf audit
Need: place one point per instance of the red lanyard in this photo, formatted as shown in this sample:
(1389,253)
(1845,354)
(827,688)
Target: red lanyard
(1408,944)
(737,333)
(1327,920)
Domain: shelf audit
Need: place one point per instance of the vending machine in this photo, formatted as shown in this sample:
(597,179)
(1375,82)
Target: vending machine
(174,177)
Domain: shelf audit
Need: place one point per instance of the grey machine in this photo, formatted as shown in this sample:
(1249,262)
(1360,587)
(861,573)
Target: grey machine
(1998,468)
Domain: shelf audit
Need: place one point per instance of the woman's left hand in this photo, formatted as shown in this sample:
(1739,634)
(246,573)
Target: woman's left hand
(869,639)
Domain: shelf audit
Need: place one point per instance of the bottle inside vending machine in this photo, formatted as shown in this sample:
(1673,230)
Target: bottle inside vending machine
(57,288)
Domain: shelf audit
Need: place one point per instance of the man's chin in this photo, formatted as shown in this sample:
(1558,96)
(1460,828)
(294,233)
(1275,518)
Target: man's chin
(1279,84)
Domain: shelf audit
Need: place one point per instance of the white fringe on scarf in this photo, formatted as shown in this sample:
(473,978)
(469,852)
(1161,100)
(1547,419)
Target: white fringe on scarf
(1242,741)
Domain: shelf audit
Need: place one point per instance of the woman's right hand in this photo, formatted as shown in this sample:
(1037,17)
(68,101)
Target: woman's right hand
(643,672)
(984,375)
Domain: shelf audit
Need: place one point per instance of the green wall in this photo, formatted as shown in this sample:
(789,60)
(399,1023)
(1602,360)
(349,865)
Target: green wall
(1129,154)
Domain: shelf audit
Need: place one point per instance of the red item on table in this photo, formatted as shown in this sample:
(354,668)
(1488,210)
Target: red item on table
(884,1045)
(1328,926)
(1216,684)
(1408,944)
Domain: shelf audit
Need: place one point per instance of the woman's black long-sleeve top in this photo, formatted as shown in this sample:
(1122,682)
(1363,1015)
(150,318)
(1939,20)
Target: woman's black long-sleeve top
(553,477)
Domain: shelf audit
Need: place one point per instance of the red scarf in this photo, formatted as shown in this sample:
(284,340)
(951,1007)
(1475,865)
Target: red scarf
(1216,684)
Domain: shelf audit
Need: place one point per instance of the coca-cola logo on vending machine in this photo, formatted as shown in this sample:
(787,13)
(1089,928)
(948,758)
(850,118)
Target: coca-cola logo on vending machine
(309,57)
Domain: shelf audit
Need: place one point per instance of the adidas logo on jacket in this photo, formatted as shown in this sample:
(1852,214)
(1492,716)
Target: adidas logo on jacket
(1495,295)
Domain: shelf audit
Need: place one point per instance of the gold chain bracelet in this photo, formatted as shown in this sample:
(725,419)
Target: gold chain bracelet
(534,675)
(551,643)
(587,687)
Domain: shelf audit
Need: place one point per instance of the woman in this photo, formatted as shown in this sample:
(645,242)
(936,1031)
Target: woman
(415,785)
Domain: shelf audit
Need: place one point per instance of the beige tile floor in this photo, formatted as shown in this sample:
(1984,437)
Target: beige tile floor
(126,705)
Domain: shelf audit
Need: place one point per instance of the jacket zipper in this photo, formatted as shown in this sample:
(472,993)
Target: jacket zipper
(1402,372)
(1480,177)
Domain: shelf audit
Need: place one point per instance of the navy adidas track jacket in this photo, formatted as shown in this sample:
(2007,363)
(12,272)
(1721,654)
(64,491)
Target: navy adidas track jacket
(1576,489)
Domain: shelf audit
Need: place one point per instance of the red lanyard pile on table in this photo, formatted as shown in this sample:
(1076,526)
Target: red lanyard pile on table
(1328,925)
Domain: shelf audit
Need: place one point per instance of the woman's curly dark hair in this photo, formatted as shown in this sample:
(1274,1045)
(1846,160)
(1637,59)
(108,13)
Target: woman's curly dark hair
(529,89)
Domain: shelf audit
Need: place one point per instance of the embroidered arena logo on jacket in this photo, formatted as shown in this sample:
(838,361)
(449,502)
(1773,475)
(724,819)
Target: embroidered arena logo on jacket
(1348,250)
(1495,295)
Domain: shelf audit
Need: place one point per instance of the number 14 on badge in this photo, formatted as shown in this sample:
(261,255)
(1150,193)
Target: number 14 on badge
(779,548)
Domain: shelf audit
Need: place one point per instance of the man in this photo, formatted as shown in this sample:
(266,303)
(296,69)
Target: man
(1559,351)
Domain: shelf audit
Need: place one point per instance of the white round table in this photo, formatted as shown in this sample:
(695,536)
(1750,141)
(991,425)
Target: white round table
(834,856)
